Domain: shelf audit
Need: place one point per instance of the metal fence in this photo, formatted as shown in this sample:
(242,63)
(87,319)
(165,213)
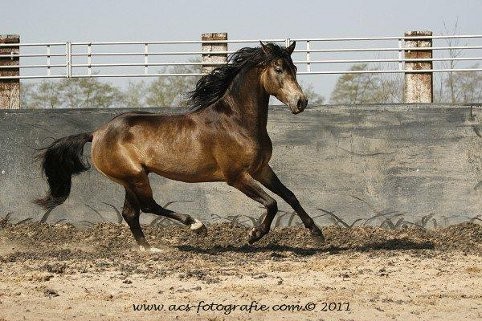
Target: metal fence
(313,56)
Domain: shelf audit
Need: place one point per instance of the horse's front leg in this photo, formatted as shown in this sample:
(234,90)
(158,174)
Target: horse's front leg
(246,184)
(268,178)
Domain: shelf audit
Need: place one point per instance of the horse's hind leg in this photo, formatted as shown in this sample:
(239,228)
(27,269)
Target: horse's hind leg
(141,188)
(130,213)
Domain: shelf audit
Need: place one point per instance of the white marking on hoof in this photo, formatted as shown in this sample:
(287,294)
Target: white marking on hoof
(198,227)
(149,249)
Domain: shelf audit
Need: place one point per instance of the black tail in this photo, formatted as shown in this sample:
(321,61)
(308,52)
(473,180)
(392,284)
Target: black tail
(62,159)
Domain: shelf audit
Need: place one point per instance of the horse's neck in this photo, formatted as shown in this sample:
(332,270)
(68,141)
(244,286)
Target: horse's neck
(248,99)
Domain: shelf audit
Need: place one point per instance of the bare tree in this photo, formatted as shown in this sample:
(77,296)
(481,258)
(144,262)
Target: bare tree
(314,99)
(457,87)
(365,87)
(70,93)
(171,91)
(465,86)
(164,91)
(135,94)
(449,82)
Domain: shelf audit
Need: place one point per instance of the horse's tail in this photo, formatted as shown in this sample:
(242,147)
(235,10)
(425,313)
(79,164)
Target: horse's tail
(62,159)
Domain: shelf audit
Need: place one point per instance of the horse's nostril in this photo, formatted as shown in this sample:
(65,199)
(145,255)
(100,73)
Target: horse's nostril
(302,103)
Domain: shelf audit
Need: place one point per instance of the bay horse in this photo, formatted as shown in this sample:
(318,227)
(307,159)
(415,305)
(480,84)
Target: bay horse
(223,137)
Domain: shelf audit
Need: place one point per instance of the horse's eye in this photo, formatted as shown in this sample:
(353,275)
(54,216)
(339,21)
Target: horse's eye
(278,70)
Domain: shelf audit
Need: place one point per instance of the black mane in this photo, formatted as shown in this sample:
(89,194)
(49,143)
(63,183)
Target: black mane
(212,86)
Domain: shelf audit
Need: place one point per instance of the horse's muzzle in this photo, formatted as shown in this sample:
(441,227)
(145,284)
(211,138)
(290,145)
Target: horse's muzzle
(300,105)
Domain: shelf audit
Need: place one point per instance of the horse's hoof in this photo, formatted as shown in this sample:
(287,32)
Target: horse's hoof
(316,232)
(255,235)
(199,228)
(150,249)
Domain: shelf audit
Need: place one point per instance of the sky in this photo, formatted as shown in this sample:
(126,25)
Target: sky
(121,20)
(87,20)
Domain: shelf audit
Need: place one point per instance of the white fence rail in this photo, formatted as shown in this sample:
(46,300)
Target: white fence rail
(313,56)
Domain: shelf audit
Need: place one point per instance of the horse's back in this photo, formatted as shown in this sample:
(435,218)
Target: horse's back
(169,145)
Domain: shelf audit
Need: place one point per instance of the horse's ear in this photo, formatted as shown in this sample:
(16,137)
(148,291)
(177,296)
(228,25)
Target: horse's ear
(291,47)
(265,48)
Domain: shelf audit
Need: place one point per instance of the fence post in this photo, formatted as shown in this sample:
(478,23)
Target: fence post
(418,86)
(209,59)
(9,88)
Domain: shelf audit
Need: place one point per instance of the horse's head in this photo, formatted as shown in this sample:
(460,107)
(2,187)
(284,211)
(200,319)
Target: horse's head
(279,77)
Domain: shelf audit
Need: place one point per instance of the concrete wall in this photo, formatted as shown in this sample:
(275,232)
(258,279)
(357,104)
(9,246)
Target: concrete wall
(411,160)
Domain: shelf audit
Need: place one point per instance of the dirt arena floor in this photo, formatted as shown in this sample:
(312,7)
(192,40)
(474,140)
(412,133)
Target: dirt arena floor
(61,272)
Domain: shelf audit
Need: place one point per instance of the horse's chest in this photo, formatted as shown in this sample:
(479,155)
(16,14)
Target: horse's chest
(257,153)
(242,151)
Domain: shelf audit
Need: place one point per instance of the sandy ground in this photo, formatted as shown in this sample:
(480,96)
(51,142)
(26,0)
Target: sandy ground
(64,273)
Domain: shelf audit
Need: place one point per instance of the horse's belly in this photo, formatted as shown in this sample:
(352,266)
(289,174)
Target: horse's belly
(187,169)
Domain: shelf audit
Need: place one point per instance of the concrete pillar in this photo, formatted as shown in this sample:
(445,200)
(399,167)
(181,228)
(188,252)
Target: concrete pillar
(9,88)
(207,46)
(418,86)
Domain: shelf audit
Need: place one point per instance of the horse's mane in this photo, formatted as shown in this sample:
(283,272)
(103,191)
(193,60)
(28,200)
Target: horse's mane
(212,86)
